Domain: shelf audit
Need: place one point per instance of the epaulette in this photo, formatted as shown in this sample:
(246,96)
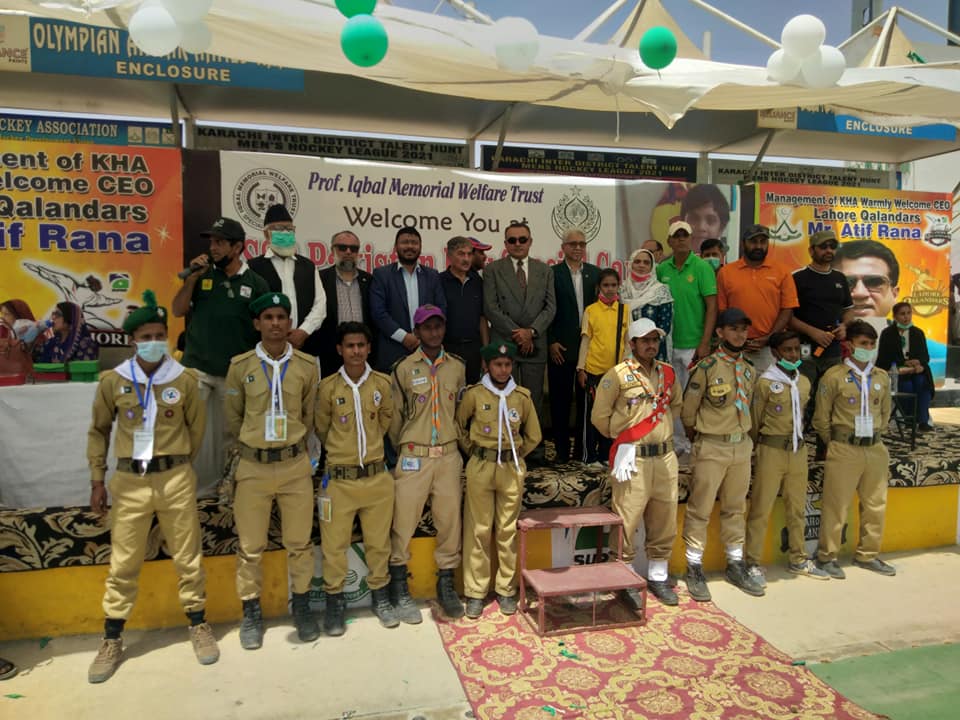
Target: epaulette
(396,364)
(243,356)
(523,391)
(455,357)
(382,376)
(305,356)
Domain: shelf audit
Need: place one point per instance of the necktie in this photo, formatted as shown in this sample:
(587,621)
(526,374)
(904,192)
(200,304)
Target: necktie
(521,275)
(435,395)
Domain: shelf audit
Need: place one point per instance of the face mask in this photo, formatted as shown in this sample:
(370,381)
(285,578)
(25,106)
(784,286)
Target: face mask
(905,327)
(152,351)
(637,277)
(283,242)
(788,365)
(609,301)
(863,355)
(223,262)
(732,348)
(713,262)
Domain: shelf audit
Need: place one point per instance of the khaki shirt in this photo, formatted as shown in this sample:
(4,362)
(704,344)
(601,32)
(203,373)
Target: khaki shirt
(838,401)
(248,399)
(336,421)
(413,401)
(181,418)
(477,420)
(772,410)
(708,401)
(626,396)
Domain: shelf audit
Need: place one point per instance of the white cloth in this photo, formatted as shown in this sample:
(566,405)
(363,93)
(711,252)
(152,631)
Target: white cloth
(503,415)
(411,284)
(276,379)
(358,410)
(649,292)
(313,318)
(864,376)
(577,277)
(625,462)
(168,371)
(776,374)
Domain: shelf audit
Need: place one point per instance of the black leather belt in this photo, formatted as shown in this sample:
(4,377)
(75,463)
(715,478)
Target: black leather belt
(655,449)
(272,455)
(355,472)
(848,438)
(491,454)
(161,463)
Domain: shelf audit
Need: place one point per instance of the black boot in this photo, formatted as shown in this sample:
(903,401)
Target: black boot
(251,627)
(405,606)
(333,623)
(447,594)
(308,629)
(380,602)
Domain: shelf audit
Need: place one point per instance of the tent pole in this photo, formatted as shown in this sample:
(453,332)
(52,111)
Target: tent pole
(470,11)
(763,151)
(174,110)
(600,20)
(865,29)
(704,168)
(952,37)
(498,153)
(883,42)
(736,23)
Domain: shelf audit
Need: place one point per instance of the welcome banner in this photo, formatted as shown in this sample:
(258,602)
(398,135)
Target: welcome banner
(93,225)
(901,250)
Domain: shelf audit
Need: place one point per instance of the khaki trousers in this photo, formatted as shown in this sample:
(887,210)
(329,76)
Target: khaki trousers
(852,468)
(210,459)
(372,499)
(718,467)
(778,470)
(650,496)
(439,479)
(494,494)
(257,486)
(171,496)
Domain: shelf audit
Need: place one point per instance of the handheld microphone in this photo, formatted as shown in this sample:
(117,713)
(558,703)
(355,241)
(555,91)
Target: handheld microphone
(191,269)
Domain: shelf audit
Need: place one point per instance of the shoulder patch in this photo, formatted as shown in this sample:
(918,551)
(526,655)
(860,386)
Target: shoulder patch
(242,356)
(708,362)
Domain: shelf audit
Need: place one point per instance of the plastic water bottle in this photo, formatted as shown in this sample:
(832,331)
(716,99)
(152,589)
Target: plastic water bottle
(894,379)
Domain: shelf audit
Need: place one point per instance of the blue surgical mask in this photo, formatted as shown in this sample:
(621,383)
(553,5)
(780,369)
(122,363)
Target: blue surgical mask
(713,262)
(152,351)
(861,354)
(789,365)
(283,242)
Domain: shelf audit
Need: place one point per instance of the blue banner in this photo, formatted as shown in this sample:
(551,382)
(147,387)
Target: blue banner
(88,131)
(825,121)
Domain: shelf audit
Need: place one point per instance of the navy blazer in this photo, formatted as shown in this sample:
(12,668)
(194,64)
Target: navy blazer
(389,310)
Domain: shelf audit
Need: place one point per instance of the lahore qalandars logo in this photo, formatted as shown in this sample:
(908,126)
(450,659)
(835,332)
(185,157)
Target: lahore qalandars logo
(939,233)
(575,210)
(258,189)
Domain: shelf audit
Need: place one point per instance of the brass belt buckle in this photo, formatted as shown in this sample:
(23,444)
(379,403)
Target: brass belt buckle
(736,437)
(435,451)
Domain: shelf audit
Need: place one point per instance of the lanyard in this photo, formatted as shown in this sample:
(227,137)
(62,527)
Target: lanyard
(283,373)
(144,404)
(853,376)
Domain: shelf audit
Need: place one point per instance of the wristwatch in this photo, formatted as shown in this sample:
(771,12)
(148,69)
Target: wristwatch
(533,331)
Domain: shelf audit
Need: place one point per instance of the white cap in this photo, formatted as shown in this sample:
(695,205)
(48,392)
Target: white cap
(678,225)
(643,327)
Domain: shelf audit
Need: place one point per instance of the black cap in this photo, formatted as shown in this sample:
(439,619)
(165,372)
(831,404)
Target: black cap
(227,228)
(732,316)
(753,231)
(277,213)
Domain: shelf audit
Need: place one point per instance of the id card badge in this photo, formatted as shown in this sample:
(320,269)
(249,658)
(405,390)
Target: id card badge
(325,508)
(143,443)
(863,426)
(409,464)
(275,427)
(806,350)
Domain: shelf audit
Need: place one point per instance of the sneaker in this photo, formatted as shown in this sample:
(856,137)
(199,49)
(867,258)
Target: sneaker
(809,569)
(508,604)
(878,566)
(831,568)
(736,574)
(474,608)
(757,574)
(106,661)
(204,644)
(663,591)
(697,583)
(632,598)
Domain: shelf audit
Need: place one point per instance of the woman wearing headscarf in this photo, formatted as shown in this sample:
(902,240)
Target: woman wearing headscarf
(71,337)
(647,297)
(17,315)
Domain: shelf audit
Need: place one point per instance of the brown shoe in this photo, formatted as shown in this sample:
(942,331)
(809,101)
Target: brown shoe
(204,644)
(106,661)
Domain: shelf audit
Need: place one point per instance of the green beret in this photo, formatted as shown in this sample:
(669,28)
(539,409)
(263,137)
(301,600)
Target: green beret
(495,350)
(150,312)
(269,300)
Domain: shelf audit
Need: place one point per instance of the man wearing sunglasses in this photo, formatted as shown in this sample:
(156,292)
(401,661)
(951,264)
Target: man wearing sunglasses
(347,289)
(520,303)
(873,274)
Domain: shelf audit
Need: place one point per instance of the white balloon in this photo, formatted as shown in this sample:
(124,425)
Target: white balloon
(187,12)
(196,37)
(154,30)
(824,68)
(783,68)
(516,43)
(803,35)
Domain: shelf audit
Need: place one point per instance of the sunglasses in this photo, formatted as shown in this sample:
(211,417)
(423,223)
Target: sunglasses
(523,240)
(346,248)
(828,245)
(870,282)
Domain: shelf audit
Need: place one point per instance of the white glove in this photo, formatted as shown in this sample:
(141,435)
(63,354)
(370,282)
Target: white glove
(624,464)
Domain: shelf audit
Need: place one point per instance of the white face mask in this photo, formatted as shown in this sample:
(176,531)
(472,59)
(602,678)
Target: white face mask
(152,351)
(864,355)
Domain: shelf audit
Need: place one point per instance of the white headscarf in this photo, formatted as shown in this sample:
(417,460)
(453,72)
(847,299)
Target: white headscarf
(648,292)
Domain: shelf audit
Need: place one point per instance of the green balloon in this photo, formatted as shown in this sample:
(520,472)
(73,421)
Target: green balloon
(356,7)
(658,47)
(364,40)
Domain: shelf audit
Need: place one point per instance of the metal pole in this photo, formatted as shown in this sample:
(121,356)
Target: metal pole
(763,151)
(470,11)
(736,23)
(590,29)
(952,37)
(498,153)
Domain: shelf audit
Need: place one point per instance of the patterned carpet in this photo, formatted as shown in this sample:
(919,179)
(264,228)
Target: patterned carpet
(691,661)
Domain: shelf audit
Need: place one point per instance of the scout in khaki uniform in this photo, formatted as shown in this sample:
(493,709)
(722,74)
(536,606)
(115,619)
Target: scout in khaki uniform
(779,401)
(634,405)
(354,409)
(426,385)
(498,426)
(716,415)
(155,402)
(270,394)
(853,409)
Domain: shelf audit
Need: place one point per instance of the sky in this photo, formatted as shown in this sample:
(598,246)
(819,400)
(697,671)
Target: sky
(565,18)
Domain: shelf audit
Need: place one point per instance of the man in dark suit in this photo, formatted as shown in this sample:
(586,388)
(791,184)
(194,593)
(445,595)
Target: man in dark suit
(395,294)
(347,290)
(287,271)
(519,301)
(575,287)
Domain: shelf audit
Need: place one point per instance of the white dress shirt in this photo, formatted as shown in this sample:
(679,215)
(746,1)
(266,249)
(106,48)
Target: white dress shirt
(411,281)
(577,277)
(284,267)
